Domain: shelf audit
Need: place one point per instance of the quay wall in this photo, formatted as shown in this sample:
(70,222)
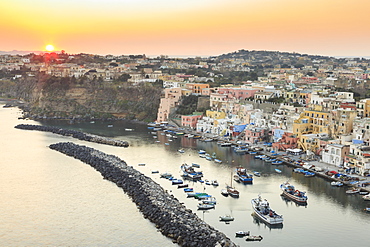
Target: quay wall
(170,216)
(74,133)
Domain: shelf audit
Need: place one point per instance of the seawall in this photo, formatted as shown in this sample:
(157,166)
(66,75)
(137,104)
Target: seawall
(171,217)
(76,134)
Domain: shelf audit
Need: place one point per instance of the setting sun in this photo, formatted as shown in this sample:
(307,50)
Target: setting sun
(49,48)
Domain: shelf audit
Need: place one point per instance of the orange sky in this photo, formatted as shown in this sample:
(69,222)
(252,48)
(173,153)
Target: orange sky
(187,27)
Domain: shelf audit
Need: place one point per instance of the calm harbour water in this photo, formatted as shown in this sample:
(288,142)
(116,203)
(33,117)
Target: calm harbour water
(49,199)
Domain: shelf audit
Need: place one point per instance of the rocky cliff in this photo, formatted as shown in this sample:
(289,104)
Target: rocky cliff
(63,99)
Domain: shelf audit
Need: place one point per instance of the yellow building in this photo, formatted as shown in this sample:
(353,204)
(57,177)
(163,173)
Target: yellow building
(215,114)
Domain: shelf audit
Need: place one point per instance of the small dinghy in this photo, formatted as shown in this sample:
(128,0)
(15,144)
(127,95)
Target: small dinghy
(242,233)
(254,238)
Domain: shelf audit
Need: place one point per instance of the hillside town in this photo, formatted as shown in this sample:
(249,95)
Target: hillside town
(315,105)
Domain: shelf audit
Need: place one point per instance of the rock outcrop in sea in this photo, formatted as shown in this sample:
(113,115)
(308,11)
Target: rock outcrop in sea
(171,217)
(75,134)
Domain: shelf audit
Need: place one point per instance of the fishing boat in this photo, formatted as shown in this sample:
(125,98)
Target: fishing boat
(232,191)
(201,151)
(226,218)
(254,238)
(244,176)
(290,192)
(189,172)
(277,170)
(188,190)
(214,183)
(263,211)
(242,233)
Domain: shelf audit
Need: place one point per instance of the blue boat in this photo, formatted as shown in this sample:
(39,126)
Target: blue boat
(244,176)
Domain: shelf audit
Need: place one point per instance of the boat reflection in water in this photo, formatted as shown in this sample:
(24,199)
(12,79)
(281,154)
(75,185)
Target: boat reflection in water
(259,222)
(288,201)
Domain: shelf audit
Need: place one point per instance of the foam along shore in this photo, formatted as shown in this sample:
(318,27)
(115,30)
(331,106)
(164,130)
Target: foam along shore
(74,133)
(171,217)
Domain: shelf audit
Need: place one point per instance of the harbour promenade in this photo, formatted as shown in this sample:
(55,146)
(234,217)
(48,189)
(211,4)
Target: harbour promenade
(320,169)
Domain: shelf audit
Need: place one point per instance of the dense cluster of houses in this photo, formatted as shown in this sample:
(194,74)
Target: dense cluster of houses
(314,117)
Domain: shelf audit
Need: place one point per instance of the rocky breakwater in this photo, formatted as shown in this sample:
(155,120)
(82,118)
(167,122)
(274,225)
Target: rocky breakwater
(75,134)
(171,217)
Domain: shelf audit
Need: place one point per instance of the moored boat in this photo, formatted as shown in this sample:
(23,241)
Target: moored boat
(244,176)
(366,197)
(277,170)
(290,192)
(254,238)
(203,206)
(224,192)
(336,183)
(353,191)
(226,218)
(189,172)
(232,191)
(242,233)
(263,211)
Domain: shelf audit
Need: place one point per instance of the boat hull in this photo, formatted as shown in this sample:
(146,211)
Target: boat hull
(297,199)
(266,218)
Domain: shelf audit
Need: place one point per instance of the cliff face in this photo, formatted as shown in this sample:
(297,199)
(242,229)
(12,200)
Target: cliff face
(89,101)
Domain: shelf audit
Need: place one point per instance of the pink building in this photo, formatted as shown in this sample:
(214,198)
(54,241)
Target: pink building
(170,100)
(254,135)
(238,93)
(190,120)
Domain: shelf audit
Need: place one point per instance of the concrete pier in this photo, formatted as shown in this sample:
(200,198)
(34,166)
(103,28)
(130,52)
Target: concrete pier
(171,217)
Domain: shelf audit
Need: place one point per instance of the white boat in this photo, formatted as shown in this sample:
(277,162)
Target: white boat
(226,218)
(336,183)
(129,129)
(277,170)
(203,206)
(214,183)
(258,174)
(210,200)
(353,191)
(367,209)
(242,233)
(366,197)
(218,161)
(224,192)
(263,211)
(254,238)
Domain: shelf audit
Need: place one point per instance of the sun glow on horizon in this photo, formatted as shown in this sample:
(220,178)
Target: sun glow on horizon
(49,48)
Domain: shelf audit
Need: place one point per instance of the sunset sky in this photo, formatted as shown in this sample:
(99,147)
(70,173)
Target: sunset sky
(187,27)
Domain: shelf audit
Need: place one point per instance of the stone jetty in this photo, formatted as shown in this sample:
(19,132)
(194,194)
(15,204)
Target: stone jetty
(75,134)
(170,216)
